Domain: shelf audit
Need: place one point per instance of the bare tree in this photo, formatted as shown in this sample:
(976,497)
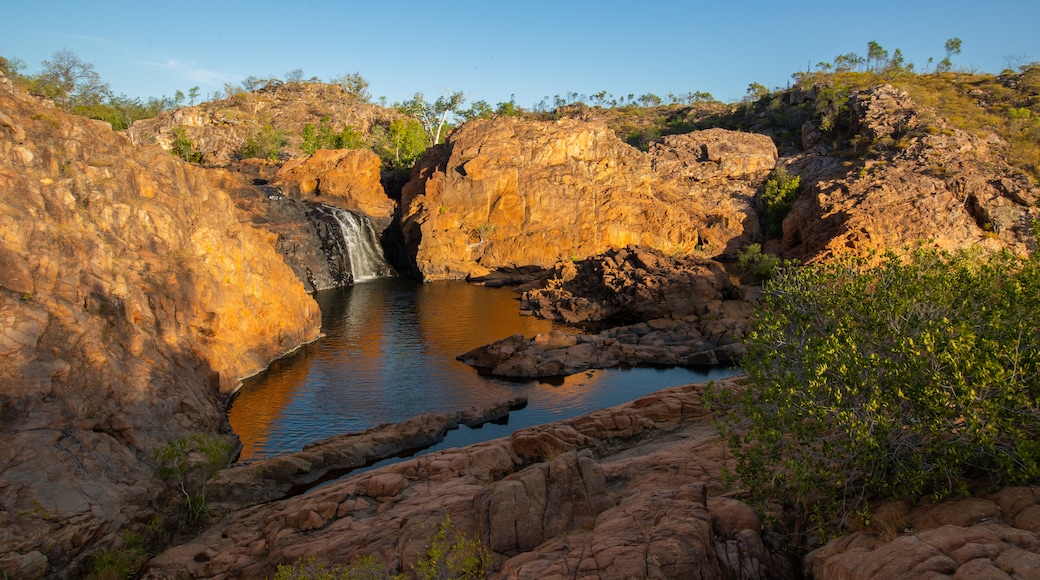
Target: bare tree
(72,81)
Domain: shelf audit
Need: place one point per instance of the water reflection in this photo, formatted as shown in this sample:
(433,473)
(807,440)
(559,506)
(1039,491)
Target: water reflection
(389,354)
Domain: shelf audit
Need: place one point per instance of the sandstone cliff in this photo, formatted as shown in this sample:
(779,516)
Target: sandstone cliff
(507,192)
(132,297)
(219,129)
(925,182)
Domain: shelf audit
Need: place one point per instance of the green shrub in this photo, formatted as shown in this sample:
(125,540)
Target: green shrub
(325,138)
(121,562)
(364,568)
(780,192)
(898,380)
(265,143)
(183,147)
(189,461)
(452,554)
(751,260)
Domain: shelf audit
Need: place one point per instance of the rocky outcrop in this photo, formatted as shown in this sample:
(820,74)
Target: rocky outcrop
(931,183)
(688,310)
(507,193)
(218,129)
(132,298)
(995,535)
(566,499)
(345,178)
(256,482)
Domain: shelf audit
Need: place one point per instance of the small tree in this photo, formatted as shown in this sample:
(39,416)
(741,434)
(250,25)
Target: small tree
(355,85)
(70,81)
(780,191)
(433,116)
(952,47)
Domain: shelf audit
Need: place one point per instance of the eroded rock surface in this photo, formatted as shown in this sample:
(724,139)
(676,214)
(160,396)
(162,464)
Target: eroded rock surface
(936,185)
(990,536)
(670,311)
(507,193)
(132,297)
(276,478)
(345,178)
(579,498)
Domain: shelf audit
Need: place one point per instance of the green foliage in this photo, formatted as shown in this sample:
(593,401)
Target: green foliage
(780,192)
(452,554)
(265,143)
(122,562)
(189,461)
(400,142)
(363,568)
(434,115)
(183,147)
(751,260)
(355,85)
(896,380)
(324,137)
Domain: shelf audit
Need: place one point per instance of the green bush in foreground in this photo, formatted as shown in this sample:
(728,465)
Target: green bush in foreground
(450,555)
(898,380)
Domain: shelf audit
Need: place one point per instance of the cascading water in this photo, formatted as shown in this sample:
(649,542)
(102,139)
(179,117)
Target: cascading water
(357,250)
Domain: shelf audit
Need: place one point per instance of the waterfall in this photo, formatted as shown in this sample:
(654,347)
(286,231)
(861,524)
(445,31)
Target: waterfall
(362,250)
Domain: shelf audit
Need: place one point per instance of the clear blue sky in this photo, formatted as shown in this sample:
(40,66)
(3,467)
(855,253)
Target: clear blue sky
(492,50)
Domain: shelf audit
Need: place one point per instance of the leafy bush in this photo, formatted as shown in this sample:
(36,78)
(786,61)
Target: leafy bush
(450,555)
(183,147)
(325,138)
(898,380)
(364,568)
(400,142)
(265,143)
(751,260)
(189,461)
(122,562)
(779,195)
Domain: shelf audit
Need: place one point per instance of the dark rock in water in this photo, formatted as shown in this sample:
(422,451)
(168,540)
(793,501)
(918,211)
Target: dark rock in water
(280,477)
(676,311)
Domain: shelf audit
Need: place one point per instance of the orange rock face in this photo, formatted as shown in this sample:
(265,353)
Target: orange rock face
(942,187)
(508,193)
(131,296)
(346,178)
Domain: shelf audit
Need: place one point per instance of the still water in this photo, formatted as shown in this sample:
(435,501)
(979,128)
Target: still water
(389,354)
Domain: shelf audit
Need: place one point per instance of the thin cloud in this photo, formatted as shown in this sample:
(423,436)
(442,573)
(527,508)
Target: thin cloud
(190,71)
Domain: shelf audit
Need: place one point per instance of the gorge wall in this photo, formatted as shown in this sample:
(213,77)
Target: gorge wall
(507,192)
(132,299)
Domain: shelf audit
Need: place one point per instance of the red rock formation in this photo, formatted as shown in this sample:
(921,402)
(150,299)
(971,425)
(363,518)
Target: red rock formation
(508,193)
(676,311)
(131,297)
(627,492)
(936,185)
(346,178)
(992,536)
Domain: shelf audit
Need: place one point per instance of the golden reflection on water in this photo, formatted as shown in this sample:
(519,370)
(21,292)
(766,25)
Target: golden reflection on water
(390,344)
(389,354)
